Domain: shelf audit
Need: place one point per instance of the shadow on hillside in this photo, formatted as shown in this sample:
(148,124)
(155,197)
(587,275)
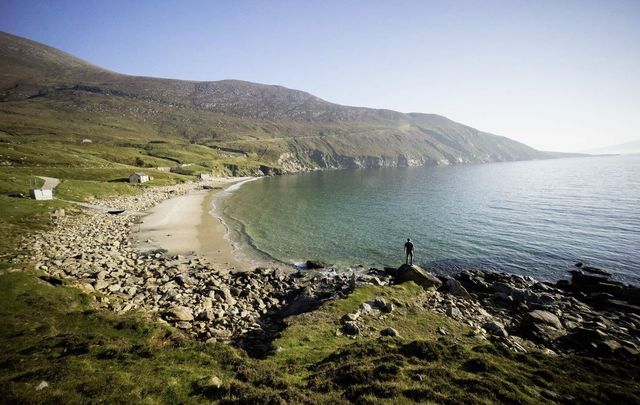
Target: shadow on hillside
(258,343)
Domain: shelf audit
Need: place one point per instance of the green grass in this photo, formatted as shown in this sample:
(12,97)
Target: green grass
(20,218)
(84,190)
(55,334)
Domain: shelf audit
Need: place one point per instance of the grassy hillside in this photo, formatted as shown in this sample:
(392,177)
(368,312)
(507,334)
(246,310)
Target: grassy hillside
(51,96)
(54,334)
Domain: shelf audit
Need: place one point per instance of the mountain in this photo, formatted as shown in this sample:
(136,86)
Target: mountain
(49,96)
(619,149)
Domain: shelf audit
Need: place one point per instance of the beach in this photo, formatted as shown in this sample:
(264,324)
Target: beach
(187,224)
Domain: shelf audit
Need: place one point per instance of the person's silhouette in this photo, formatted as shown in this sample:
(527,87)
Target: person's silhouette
(408,252)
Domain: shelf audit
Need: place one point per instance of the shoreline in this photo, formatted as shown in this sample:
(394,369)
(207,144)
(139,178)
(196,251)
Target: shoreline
(189,224)
(95,249)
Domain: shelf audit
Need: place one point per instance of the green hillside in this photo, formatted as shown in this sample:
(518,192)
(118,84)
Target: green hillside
(48,96)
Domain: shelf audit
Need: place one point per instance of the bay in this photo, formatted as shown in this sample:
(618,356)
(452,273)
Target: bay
(531,218)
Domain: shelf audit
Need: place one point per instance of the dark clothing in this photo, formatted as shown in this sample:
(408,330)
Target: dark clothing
(408,253)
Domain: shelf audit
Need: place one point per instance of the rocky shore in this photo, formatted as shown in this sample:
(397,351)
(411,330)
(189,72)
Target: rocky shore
(589,315)
(94,250)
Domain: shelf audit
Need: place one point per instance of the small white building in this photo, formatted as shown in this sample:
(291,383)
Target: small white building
(203,176)
(87,140)
(41,193)
(138,178)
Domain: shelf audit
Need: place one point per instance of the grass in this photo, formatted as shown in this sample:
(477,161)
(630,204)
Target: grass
(85,190)
(55,334)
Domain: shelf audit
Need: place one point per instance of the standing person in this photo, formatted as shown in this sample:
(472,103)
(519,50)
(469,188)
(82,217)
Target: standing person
(408,252)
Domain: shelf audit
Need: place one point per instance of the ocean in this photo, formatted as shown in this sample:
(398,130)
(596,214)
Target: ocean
(532,218)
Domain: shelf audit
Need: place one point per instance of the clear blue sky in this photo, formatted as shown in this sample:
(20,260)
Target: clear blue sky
(557,75)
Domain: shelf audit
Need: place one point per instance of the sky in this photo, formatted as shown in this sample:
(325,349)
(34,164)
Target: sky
(556,75)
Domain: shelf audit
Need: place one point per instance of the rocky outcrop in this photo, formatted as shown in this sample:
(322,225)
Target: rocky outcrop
(522,313)
(418,275)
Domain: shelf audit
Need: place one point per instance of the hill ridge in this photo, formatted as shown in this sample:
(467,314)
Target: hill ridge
(289,129)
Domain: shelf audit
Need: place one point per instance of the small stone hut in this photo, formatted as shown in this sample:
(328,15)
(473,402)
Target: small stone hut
(138,178)
(41,193)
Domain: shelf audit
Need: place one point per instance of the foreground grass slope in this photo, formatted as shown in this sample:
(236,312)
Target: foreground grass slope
(54,333)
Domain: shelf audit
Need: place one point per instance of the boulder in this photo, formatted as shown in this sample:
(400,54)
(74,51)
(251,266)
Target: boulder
(351,329)
(351,317)
(418,275)
(541,326)
(543,318)
(179,314)
(495,328)
(43,384)
(453,287)
(315,264)
(389,332)
(454,313)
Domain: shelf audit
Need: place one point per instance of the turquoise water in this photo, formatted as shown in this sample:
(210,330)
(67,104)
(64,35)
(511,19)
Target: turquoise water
(534,217)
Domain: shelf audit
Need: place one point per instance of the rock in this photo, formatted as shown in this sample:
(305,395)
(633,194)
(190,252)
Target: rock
(43,384)
(315,264)
(215,382)
(206,315)
(387,308)
(544,317)
(495,328)
(551,395)
(453,286)
(502,288)
(179,314)
(366,308)
(609,346)
(418,275)
(100,285)
(227,296)
(454,313)
(377,282)
(389,332)
(595,270)
(114,288)
(379,302)
(542,326)
(351,329)
(351,317)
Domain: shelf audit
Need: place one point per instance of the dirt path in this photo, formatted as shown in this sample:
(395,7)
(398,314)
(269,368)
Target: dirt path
(49,182)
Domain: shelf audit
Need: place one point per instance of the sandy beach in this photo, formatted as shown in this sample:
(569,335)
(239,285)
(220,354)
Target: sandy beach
(186,225)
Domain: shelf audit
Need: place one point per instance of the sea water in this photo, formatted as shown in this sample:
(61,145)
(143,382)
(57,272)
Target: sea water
(531,218)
